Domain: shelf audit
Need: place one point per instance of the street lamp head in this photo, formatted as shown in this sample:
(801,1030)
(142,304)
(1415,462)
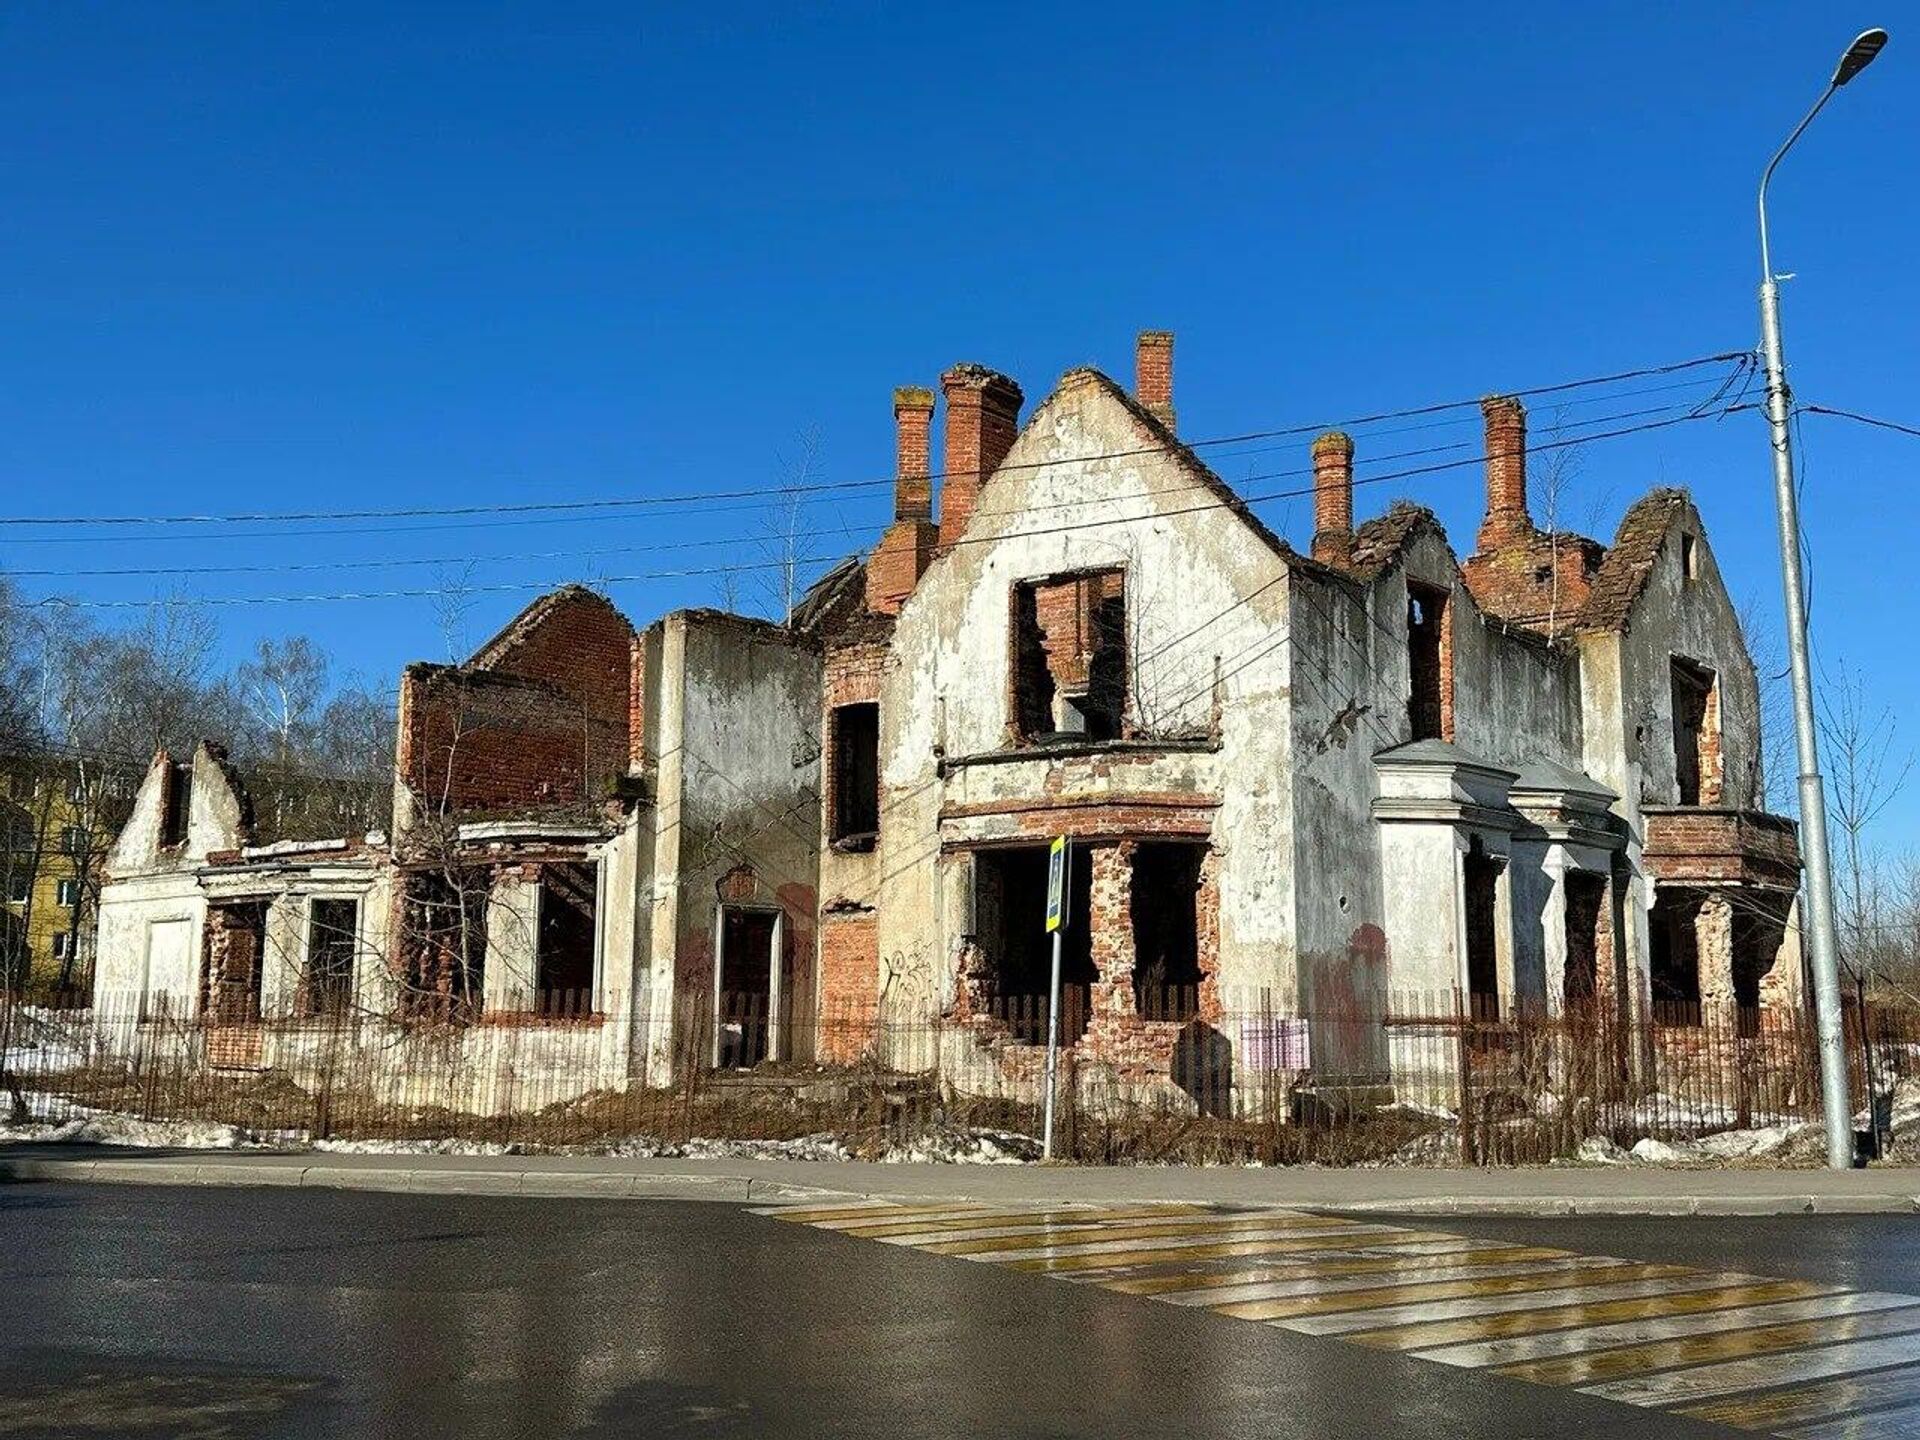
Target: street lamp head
(1859,55)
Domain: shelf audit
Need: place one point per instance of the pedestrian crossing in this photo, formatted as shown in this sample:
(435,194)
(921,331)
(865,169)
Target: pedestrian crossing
(1752,1352)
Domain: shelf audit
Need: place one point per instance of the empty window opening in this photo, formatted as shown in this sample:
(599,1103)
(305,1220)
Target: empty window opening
(236,945)
(1586,897)
(178,806)
(333,928)
(1673,942)
(1696,747)
(1428,702)
(1010,911)
(1166,930)
(1070,657)
(855,736)
(563,964)
(1480,875)
(1689,559)
(445,944)
(747,959)
(1756,945)
(62,945)
(67,893)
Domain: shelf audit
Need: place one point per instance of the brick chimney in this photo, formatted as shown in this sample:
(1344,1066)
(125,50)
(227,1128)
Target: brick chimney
(913,475)
(1333,498)
(1506,518)
(906,549)
(983,417)
(1153,373)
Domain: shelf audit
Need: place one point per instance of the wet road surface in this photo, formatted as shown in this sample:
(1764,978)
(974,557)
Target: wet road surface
(216,1313)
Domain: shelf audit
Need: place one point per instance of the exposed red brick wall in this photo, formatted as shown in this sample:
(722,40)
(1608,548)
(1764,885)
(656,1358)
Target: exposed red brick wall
(1065,610)
(983,418)
(1333,498)
(1535,579)
(1713,772)
(581,646)
(898,562)
(1107,817)
(472,741)
(1153,373)
(849,985)
(913,425)
(542,715)
(851,673)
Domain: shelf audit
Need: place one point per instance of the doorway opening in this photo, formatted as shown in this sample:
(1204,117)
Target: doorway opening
(746,996)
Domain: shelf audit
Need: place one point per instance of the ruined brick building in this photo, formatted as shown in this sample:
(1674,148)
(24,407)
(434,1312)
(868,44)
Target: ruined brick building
(1530,776)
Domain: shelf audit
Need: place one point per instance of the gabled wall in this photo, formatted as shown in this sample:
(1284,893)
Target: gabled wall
(1206,597)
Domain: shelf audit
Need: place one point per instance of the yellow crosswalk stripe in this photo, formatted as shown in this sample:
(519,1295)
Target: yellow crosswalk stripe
(1702,1349)
(1779,1408)
(1703,1382)
(1469,1252)
(1527,1322)
(1643,1332)
(1094,1231)
(1245,1290)
(997,1222)
(1455,1290)
(1900,1424)
(1050,1265)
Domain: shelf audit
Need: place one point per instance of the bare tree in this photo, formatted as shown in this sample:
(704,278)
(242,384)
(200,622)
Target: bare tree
(786,532)
(1776,789)
(1868,769)
(1556,472)
(281,688)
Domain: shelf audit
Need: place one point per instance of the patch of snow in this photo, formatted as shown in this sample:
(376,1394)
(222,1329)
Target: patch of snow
(1600,1150)
(414,1147)
(110,1129)
(966,1147)
(1745,1144)
(1658,1152)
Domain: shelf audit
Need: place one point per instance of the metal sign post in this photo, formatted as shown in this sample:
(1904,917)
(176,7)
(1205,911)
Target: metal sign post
(1056,922)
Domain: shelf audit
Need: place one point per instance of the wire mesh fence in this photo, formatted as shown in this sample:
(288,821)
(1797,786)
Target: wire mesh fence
(1178,1077)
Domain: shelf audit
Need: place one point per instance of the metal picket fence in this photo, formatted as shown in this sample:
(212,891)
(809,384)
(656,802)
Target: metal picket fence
(1172,1077)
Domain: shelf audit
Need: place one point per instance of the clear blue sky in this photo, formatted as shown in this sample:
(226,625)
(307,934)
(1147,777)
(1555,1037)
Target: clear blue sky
(273,256)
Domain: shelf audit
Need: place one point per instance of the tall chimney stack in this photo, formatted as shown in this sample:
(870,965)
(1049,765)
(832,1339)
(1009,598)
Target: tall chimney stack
(913,477)
(1333,498)
(1153,374)
(983,417)
(1507,517)
(906,549)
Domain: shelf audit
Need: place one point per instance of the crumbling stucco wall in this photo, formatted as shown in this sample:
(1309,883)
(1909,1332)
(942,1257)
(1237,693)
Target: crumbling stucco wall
(1513,700)
(735,754)
(1206,612)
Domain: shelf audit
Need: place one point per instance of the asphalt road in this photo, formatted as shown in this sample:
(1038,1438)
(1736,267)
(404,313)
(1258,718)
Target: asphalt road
(216,1313)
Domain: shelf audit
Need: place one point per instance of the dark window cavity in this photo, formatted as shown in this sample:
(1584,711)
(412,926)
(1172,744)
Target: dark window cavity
(855,738)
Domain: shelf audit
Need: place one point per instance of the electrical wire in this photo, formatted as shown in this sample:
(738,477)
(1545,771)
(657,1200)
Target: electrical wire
(295,567)
(631,502)
(1235,502)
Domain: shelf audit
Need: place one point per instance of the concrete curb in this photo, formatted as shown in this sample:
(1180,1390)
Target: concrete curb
(444,1178)
(544,1184)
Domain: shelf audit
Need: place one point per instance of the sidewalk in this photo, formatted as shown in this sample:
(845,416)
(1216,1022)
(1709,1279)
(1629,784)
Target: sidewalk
(1561,1190)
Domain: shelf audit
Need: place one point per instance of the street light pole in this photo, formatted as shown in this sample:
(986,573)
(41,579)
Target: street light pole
(1822,940)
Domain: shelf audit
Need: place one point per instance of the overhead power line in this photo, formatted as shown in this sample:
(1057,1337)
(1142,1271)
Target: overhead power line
(729,541)
(765,491)
(1878,424)
(1235,501)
